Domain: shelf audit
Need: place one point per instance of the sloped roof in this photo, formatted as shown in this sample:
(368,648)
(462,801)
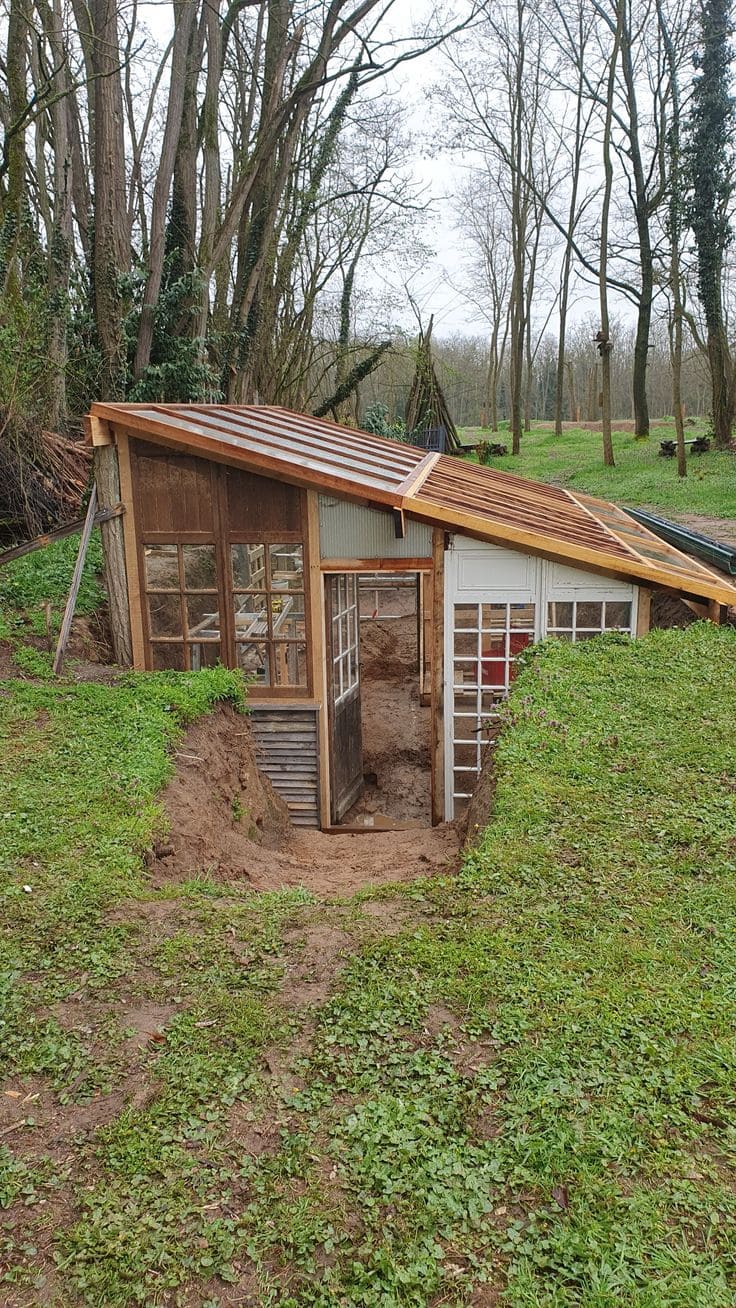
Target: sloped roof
(443,491)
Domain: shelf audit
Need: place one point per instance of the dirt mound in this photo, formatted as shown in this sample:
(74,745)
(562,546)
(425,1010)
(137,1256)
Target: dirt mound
(217,801)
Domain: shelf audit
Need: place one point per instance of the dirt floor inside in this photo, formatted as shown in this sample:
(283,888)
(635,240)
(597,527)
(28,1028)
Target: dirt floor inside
(224,820)
(396,727)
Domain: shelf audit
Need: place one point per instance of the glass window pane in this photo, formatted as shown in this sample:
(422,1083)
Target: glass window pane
(204,655)
(562,635)
(466,701)
(289,663)
(586,635)
(167,657)
(618,614)
(559,614)
(203,615)
(466,617)
(249,566)
(200,568)
(252,658)
(465,728)
(466,756)
(466,645)
(521,616)
(162,567)
(164,613)
(287,567)
(494,617)
(251,616)
(589,614)
(466,673)
(493,672)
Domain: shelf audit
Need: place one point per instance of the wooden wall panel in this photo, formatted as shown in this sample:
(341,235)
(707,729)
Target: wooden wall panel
(262,506)
(175,491)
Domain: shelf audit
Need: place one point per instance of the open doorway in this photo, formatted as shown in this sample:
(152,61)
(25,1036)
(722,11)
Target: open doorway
(381,717)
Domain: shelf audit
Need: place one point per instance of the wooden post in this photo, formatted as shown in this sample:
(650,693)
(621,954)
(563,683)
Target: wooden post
(318,657)
(643,611)
(135,599)
(71,603)
(437,672)
(107,479)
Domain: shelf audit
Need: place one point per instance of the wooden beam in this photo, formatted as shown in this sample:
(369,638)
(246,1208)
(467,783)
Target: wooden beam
(71,603)
(97,431)
(643,610)
(399,524)
(40,542)
(417,478)
(317,653)
(437,768)
(107,480)
(376,565)
(130,550)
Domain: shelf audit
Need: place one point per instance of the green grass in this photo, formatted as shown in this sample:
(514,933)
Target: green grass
(641,477)
(45,575)
(520,1089)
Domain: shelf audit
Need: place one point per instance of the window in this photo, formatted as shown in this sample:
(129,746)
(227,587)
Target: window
(183,605)
(268,601)
(345,618)
(487,640)
(582,619)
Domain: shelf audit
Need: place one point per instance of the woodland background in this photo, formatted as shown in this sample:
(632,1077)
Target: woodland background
(208,200)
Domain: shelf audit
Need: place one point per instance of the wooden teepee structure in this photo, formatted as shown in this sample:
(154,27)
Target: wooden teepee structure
(428,418)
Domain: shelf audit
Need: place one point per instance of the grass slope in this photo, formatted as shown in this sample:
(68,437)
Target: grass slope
(29,583)
(518,1087)
(640,477)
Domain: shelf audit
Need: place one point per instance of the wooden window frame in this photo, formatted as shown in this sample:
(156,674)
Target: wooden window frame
(221,538)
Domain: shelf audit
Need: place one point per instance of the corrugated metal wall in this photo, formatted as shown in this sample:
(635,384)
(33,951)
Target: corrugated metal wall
(287,751)
(350,531)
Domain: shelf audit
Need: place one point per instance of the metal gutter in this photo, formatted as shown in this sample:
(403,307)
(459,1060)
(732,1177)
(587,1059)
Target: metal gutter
(692,542)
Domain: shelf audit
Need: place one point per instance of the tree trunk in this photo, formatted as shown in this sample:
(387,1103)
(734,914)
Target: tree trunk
(111,244)
(604,342)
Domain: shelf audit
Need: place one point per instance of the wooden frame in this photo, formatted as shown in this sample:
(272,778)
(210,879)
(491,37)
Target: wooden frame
(437,662)
(317,652)
(132,566)
(376,565)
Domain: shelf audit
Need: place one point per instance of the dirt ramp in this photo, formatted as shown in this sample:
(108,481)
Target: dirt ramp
(218,805)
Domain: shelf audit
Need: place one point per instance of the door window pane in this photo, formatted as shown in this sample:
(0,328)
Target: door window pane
(164,613)
(203,616)
(286,567)
(162,567)
(248,564)
(167,657)
(290,663)
(200,567)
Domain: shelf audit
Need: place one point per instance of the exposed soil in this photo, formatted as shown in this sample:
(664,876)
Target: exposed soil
(225,820)
(719,529)
(396,727)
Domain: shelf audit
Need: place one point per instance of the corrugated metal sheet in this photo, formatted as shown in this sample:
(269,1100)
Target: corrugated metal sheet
(287,751)
(351,531)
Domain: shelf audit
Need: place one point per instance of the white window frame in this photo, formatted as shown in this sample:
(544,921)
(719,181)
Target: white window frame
(539,586)
(345,636)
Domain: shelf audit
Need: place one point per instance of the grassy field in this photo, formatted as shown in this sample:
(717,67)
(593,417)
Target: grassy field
(515,1086)
(640,477)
